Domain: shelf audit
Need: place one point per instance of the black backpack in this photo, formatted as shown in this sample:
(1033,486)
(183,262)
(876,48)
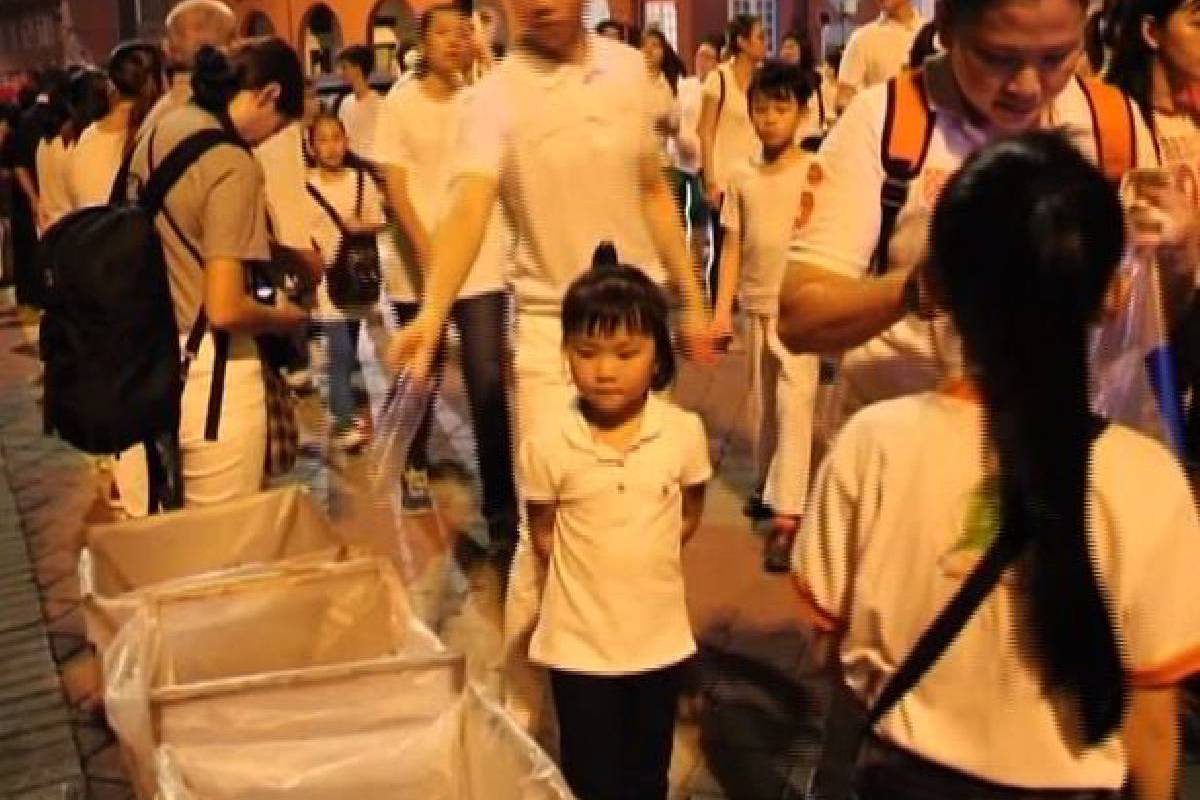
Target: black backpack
(355,276)
(109,340)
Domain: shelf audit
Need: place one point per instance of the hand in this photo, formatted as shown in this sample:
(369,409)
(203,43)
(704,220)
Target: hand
(721,330)
(696,338)
(714,195)
(413,347)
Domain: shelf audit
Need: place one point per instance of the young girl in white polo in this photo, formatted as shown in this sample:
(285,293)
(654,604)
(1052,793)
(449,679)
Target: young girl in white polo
(615,487)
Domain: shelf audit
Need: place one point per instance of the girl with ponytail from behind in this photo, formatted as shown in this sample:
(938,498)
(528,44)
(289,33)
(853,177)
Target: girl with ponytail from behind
(1062,683)
(135,84)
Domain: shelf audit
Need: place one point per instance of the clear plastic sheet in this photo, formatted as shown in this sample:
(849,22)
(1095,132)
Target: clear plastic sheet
(1132,372)
(285,620)
(466,750)
(122,560)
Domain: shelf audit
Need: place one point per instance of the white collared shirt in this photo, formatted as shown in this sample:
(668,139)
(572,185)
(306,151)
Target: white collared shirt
(878,51)
(567,143)
(614,600)
(900,515)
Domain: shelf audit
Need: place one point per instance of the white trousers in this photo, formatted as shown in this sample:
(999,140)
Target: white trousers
(544,389)
(218,471)
(783,391)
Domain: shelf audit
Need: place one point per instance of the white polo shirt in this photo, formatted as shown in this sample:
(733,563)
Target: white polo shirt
(900,515)
(878,51)
(567,143)
(614,600)
(360,118)
(418,132)
(841,234)
(764,205)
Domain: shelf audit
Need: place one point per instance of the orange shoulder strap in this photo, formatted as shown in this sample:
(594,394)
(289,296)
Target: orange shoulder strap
(907,126)
(1113,124)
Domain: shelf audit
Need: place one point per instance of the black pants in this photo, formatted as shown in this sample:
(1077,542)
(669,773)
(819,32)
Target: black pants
(616,734)
(886,772)
(483,327)
(718,243)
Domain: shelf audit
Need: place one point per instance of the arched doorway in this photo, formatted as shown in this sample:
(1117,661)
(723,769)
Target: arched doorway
(321,37)
(391,24)
(257,23)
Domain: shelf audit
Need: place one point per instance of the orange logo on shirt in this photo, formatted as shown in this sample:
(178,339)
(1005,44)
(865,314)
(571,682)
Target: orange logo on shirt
(807,202)
(815,174)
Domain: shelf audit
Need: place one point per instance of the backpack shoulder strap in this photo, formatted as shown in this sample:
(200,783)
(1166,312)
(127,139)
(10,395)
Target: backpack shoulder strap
(1113,126)
(325,206)
(907,131)
(164,176)
(951,621)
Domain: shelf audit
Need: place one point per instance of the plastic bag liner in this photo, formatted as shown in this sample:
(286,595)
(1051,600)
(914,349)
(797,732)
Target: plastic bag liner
(1132,371)
(467,750)
(122,560)
(182,642)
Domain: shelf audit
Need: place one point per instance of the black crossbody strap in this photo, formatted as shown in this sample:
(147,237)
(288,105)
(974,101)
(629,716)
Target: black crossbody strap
(949,624)
(326,207)
(358,194)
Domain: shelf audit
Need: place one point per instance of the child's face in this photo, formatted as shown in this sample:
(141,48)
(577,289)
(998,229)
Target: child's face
(329,144)
(612,373)
(775,120)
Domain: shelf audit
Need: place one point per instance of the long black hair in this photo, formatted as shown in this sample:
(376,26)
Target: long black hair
(740,27)
(87,101)
(612,296)
(1132,64)
(136,72)
(1026,238)
(672,65)
(254,64)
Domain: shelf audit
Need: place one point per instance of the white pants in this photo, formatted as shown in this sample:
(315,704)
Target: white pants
(218,471)
(783,390)
(544,389)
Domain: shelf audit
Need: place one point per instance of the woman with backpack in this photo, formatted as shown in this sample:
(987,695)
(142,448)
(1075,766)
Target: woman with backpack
(1056,553)
(1009,67)
(213,227)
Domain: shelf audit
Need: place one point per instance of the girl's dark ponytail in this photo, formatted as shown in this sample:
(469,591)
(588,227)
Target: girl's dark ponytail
(605,256)
(1025,241)
(214,80)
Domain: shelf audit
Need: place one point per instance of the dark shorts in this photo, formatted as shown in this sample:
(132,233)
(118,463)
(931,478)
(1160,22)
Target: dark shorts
(886,772)
(689,196)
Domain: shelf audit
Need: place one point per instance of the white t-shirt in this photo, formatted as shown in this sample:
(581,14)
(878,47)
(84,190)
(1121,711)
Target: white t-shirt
(1179,146)
(664,106)
(691,96)
(92,166)
(360,117)
(282,160)
(842,231)
(764,205)
(736,142)
(902,499)
(614,601)
(51,162)
(418,132)
(340,191)
(567,143)
(878,51)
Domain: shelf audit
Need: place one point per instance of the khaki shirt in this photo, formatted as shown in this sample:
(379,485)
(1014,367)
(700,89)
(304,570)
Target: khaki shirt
(219,206)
